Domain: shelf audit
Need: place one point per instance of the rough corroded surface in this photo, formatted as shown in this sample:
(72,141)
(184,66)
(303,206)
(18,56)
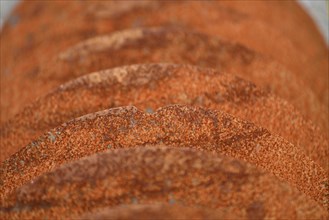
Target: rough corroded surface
(176,125)
(299,27)
(48,179)
(152,86)
(37,24)
(175,46)
(160,211)
(208,17)
(165,175)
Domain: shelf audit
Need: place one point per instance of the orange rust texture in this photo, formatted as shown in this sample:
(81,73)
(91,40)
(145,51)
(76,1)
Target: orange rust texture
(300,27)
(161,211)
(178,126)
(183,176)
(90,20)
(237,150)
(175,46)
(152,86)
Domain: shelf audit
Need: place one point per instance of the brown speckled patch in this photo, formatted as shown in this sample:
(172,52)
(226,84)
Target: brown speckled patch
(255,211)
(152,86)
(208,17)
(160,211)
(159,175)
(177,126)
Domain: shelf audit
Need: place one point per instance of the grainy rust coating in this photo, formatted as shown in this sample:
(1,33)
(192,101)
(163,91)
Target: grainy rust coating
(299,27)
(64,156)
(160,211)
(172,46)
(152,86)
(166,175)
(208,17)
(175,125)
(146,45)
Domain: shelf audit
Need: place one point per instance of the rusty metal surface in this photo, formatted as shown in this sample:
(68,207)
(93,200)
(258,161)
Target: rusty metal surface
(151,86)
(203,17)
(160,211)
(151,175)
(236,150)
(176,125)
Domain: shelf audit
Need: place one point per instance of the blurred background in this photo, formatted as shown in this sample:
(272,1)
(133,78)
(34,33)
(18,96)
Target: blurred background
(318,9)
